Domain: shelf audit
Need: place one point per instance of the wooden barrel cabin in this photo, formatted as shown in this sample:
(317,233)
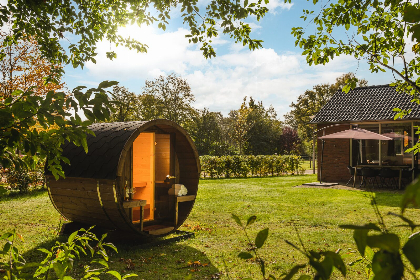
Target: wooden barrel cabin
(127,179)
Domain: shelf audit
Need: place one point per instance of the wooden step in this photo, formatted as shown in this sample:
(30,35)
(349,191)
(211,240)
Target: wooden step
(157,229)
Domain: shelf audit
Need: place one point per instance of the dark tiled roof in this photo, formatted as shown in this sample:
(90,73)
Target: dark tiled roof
(366,104)
(104,151)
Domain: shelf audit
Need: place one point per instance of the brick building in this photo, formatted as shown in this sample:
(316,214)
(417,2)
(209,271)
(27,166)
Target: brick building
(370,108)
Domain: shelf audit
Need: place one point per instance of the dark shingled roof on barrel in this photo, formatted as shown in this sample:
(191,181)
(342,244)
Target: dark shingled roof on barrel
(372,103)
(104,152)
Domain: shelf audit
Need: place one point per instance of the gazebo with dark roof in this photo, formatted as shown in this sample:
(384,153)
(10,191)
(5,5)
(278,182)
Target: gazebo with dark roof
(130,177)
(369,108)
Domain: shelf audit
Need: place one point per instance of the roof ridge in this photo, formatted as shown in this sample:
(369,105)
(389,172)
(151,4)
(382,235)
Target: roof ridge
(373,86)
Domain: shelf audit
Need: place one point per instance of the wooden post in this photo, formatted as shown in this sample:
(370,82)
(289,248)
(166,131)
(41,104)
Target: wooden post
(313,154)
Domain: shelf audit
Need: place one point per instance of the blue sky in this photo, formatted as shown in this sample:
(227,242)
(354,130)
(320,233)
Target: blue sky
(275,75)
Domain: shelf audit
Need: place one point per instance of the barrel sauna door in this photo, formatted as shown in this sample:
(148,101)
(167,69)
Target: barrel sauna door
(164,157)
(144,175)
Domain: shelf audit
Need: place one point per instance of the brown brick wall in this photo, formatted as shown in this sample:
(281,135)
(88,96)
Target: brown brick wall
(336,155)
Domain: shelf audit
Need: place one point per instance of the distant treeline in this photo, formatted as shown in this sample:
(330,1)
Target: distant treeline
(251,129)
(249,165)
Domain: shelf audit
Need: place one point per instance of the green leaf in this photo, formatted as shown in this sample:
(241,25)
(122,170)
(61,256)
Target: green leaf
(60,269)
(129,275)
(411,14)
(115,274)
(112,246)
(305,277)
(411,196)
(72,236)
(6,235)
(102,262)
(237,220)
(386,241)
(261,238)
(245,255)
(107,84)
(386,265)
(44,250)
(251,220)
(415,32)
(411,250)
(6,247)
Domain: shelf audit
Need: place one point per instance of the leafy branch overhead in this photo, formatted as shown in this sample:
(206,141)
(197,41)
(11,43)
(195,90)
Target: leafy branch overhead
(81,24)
(37,126)
(370,30)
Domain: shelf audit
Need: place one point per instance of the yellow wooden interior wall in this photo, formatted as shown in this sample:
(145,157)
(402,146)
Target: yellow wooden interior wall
(163,155)
(144,174)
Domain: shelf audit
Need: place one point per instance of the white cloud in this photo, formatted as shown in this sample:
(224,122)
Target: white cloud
(167,52)
(221,83)
(274,4)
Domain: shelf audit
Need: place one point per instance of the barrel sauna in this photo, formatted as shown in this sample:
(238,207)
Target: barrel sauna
(125,180)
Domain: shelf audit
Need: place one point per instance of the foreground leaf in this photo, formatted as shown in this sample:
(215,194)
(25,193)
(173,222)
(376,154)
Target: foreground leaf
(411,196)
(411,250)
(388,241)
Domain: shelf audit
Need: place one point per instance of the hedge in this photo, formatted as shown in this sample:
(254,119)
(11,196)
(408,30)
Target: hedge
(246,166)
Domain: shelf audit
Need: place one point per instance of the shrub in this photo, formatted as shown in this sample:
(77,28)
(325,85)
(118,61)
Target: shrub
(243,166)
(60,259)
(24,179)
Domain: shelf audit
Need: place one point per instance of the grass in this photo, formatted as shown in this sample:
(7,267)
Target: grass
(314,213)
(306,165)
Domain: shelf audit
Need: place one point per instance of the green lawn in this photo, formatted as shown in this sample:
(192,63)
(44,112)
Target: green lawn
(306,165)
(279,205)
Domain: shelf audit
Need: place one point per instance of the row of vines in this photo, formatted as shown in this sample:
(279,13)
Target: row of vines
(250,166)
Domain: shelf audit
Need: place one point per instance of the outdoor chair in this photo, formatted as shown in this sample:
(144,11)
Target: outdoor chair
(351,171)
(389,177)
(368,176)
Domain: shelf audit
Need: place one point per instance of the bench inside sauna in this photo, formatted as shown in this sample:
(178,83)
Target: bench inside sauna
(124,181)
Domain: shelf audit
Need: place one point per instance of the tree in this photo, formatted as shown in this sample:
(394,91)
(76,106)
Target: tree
(208,134)
(289,141)
(254,129)
(172,99)
(148,108)
(311,101)
(48,22)
(240,125)
(20,112)
(124,104)
(22,67)
(266,131)
(89,22)
(376,31)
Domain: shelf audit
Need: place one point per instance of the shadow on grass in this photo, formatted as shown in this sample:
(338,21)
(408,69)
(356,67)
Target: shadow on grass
(149,259)
(9,195)
(388,198)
